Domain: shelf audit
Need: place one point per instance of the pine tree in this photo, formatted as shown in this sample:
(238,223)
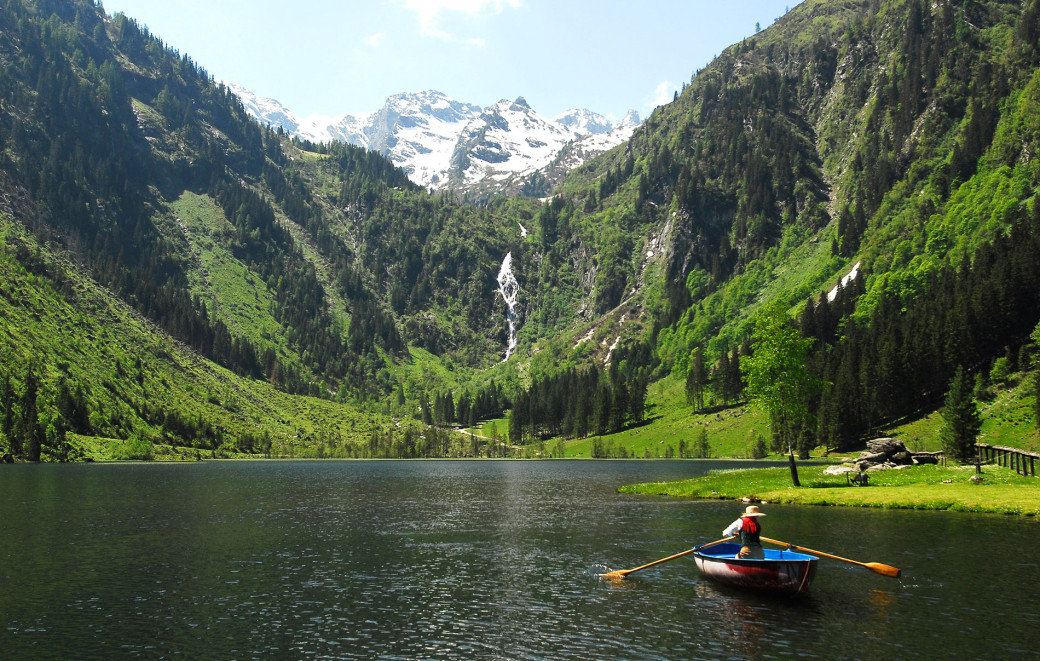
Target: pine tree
(30,430)
(702,448)
(961,421)
(696,379)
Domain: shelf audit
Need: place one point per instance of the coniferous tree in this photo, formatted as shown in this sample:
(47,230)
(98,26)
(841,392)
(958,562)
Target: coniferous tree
(7,400)
(702,448)
(30,431)
(696,379)
(961,421)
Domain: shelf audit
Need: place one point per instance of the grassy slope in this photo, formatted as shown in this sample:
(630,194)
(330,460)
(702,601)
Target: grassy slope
(231,291)
(97,341)
(1007,419)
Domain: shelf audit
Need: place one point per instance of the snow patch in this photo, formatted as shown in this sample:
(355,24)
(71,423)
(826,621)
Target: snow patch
(853,274)
(610,352)
(443,143)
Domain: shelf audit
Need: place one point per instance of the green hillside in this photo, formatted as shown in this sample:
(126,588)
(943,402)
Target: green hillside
(180,281)
(101,370)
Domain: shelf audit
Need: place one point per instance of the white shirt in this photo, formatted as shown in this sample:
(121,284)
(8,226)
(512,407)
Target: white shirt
(734,528)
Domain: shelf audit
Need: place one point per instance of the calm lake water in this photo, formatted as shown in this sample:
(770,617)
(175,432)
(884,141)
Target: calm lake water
(477,559)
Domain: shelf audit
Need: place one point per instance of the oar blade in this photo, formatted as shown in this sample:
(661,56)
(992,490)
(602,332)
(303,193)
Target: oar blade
(621,573)
(884,570)
(877,567)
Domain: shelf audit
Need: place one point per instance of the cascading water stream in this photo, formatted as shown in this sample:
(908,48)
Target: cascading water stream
(510,290)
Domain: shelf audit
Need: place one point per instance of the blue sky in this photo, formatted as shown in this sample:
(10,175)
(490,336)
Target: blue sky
(333,57)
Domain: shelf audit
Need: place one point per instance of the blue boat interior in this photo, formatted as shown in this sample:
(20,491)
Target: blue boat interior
(729,550)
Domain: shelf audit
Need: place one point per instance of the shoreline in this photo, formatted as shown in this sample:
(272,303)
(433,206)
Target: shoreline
(1001,491)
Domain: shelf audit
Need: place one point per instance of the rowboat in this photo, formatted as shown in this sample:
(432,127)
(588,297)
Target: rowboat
(781,571)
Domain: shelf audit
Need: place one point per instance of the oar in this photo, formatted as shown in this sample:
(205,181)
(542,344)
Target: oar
(877,567)
(621,573)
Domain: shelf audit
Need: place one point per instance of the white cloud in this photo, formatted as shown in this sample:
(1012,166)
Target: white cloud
(429,13)
(375,39)
(663,93)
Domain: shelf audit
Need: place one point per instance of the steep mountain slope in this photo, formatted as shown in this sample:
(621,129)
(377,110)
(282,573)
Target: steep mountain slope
(315,273)
(848,132)
(91,366)
(508,139)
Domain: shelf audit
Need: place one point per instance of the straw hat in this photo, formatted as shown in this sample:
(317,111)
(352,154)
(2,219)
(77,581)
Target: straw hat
(752,510)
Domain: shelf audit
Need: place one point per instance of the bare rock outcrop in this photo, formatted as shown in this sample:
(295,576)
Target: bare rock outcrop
(885,454)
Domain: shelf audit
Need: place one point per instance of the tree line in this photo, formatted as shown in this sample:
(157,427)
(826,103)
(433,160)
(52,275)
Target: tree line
(577,403)
(900,359)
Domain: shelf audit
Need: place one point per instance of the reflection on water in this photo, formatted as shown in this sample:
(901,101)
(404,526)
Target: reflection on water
(448,559)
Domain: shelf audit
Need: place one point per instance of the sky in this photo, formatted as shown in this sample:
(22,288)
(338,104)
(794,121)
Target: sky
(332,57)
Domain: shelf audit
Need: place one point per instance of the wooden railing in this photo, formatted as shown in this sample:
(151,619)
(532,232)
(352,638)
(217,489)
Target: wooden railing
(1020,461)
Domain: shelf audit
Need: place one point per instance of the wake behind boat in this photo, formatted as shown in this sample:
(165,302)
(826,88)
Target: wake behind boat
(780,571)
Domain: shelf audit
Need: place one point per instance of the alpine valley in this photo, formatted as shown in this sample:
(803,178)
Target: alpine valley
(186,272)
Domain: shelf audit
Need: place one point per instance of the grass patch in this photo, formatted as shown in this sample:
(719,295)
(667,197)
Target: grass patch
(919,487)
(230,289)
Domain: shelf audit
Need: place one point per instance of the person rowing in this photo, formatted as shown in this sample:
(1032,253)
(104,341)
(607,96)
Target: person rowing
(750,530)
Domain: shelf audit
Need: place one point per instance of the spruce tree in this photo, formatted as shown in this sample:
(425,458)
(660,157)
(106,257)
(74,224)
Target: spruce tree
(30,431)
(961,421)
(696,379)
(702,448)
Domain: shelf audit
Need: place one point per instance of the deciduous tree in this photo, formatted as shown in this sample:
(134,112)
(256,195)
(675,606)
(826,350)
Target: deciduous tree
(777,376)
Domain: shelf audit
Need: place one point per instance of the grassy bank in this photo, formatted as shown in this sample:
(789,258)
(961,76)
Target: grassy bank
(920,487)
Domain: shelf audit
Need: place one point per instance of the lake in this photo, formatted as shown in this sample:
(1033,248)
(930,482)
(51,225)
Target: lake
(475,559)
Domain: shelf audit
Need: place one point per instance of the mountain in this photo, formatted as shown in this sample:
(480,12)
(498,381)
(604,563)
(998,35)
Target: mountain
(894,134)
(507,140)
(179,279)
(586,122)
(443,144)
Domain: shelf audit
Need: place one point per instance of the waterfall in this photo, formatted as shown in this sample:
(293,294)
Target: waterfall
(510,290)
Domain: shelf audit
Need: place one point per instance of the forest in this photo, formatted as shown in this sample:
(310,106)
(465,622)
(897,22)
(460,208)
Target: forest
(341,309)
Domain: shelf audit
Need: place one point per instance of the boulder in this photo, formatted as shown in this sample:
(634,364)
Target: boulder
(872,457)
(887,446)
(839,470)
(903,458)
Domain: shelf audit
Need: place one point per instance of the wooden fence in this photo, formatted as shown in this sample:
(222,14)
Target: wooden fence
(1020,461)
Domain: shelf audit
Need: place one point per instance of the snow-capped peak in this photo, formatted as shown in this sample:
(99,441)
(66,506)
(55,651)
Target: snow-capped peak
(584,122)
(443,143)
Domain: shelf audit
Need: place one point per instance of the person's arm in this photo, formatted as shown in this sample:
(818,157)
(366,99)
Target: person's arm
(734,528)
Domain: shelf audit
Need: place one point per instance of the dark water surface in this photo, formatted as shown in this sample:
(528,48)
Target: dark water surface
(478,559)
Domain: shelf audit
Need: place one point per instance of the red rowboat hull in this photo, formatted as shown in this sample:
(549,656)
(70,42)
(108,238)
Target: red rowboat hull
(786,572)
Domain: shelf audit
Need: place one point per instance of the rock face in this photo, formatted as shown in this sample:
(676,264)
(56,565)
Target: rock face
(888,453)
